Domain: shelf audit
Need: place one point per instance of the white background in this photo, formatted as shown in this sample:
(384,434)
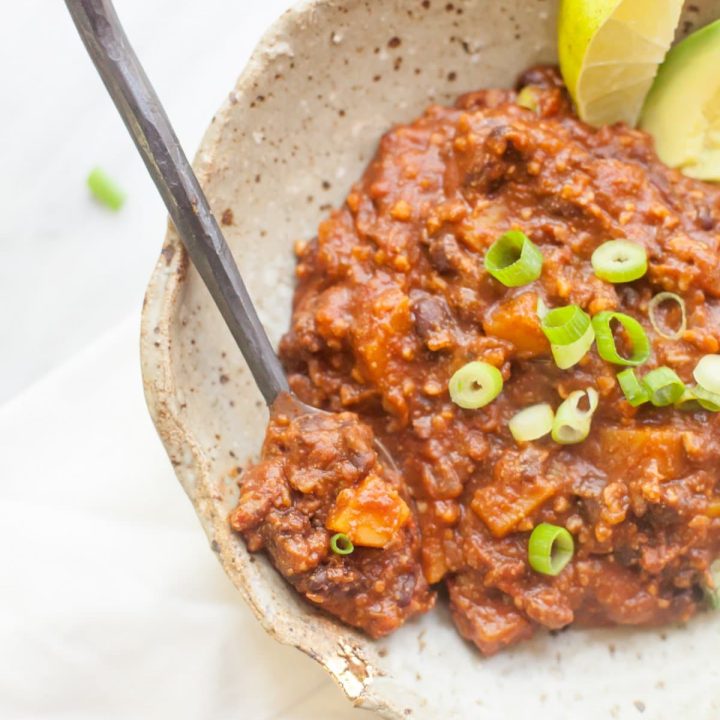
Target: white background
(68,268)
(111,604)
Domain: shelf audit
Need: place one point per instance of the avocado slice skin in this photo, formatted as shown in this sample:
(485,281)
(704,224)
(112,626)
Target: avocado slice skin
(682,109)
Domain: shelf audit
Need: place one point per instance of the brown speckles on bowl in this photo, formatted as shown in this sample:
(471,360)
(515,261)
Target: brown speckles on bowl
(260,191)
(168,252)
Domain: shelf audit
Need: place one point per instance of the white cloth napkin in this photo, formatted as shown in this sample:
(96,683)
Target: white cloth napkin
(111,603)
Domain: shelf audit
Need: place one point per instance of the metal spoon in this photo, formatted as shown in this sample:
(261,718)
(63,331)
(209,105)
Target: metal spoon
(143,115)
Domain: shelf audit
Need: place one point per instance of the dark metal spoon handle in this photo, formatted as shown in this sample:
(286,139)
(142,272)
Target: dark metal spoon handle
(145,119)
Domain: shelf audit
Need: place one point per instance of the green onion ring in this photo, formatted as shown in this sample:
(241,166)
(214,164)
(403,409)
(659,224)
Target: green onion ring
(664,386)
(475,385)
(707,373)
(572,425)
(569,330)
(620,261)
(341,544)
(514,260)
(707,400)
(565,325)
(606,341)
(635,392)
(105,190)
(712,594)
(532,423)
(550,549)
(542,309)
(688,402)
(566,356)
(528,98)
(655,303)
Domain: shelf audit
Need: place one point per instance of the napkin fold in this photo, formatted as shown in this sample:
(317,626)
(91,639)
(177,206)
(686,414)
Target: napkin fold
(111,603)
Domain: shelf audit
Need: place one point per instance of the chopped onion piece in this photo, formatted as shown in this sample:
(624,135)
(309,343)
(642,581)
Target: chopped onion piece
(550,549)
(635,392)
(655,303)
(664,386)
(532,423)
(514,260)
(105,189)
(707,373)
(571,424)
(606,340)
(620,261)
(707,400)
(712,594)
(542,309)
(688,402)
(566,356)
(565,325)
(529,98)
(475,385)
(341,544)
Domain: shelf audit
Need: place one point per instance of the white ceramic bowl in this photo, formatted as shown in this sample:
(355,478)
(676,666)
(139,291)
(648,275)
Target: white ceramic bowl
(304,119)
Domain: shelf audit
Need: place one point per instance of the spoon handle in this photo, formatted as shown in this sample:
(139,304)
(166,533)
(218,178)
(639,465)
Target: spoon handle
(145,119)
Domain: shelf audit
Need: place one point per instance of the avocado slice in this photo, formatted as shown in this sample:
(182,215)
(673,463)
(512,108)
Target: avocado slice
(682,110)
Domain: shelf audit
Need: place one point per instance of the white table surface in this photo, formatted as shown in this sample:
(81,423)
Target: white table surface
(111,604)
(70,269)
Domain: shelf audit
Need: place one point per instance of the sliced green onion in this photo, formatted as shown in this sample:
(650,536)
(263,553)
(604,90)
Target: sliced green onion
(664,386)
(529,98)
(620,261)
(571,424)
(550,549)
(570,333)
(565,325)
(105,190)
(635,392)
(532,423)
(542,309)
(606,341)
(341,544)
(707,373)
(712,594)
(655,303)
(688,402)
(514,260)
(568,355)
(707,400)
(475,385)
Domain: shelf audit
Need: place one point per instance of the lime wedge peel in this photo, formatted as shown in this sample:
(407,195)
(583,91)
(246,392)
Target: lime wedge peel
(610,51)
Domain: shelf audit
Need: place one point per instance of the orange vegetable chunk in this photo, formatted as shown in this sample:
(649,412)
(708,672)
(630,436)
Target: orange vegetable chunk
(501,508)
(516,320)
(652,448)
(370,513)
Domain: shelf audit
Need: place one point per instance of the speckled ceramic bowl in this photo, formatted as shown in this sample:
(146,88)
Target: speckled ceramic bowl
(301,124)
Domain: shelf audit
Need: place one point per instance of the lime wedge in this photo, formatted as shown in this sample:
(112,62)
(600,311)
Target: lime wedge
(682,111)
(610,51)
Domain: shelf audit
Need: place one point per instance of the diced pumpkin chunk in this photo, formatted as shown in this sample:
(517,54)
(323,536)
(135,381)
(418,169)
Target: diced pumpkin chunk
(433,558)
(378,332)
(654,449)
(516,320)
(370,513)
(501,506)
